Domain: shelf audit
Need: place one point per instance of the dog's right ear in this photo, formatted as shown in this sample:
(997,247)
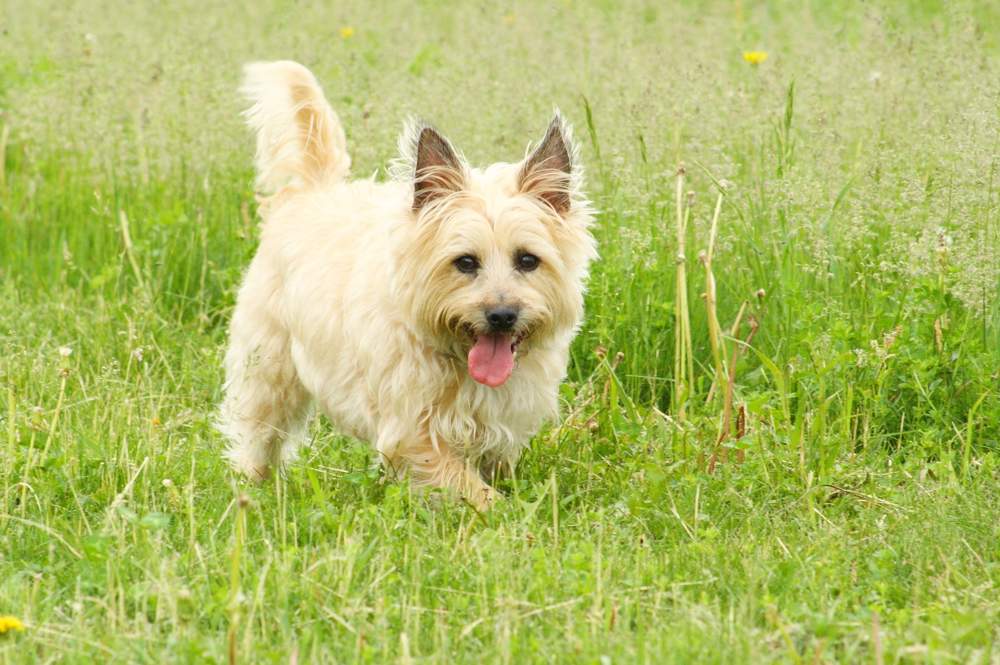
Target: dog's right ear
(437,169)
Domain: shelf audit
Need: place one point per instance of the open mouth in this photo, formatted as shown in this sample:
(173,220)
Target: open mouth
(492,356)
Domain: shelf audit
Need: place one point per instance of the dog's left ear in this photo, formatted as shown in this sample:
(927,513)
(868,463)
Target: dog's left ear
(549,171)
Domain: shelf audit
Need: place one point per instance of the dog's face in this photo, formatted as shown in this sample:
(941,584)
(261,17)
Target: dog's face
(497,258)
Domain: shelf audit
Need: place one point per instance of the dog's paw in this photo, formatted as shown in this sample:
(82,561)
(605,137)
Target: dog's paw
(483,498)
(255,473)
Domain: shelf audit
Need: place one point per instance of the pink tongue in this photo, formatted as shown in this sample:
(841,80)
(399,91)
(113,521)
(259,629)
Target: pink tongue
(491,360)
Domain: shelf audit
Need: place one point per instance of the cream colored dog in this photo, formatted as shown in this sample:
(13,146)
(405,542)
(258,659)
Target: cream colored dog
(431,314)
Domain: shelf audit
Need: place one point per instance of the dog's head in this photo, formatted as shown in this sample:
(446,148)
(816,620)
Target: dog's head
(497,257)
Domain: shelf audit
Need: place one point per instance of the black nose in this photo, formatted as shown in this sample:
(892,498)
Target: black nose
(501,319)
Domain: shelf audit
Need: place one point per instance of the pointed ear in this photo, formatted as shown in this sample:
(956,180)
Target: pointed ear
(548,172)
(437,171)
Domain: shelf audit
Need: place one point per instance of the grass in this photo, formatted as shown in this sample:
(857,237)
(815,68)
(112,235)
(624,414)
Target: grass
(845,513)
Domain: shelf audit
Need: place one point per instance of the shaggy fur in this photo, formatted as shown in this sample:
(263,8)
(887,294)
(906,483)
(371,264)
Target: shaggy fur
(354,301)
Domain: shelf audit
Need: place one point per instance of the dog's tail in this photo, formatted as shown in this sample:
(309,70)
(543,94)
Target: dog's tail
(300,140)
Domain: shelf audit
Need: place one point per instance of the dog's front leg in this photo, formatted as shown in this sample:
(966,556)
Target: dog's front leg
(438,465)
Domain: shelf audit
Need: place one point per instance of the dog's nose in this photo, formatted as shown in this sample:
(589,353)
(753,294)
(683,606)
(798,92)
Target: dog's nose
(501,319)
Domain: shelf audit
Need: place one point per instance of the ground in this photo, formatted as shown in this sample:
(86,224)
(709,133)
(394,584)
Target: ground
(850,515)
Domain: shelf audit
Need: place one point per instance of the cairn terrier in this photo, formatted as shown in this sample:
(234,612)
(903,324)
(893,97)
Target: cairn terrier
(430,315)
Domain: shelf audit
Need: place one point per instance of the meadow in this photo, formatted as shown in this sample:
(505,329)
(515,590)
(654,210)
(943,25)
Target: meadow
(803,468)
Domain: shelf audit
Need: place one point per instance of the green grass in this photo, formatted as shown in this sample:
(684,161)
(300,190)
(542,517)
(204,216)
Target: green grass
(856,519)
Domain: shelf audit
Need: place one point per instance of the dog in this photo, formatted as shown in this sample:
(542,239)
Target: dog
(430,314)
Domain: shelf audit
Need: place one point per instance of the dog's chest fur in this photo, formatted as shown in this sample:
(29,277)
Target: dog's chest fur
(497,422)
(408,393)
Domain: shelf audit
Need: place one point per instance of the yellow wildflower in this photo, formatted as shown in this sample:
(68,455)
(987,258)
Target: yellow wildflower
(755,57)
(155,421)
(9,623)
(509,19)
(346,32)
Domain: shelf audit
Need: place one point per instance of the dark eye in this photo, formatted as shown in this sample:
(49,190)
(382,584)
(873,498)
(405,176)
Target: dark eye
(527,262)
(467,264)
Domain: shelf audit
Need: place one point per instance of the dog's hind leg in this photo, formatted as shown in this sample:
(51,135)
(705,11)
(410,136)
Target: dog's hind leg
(265,408)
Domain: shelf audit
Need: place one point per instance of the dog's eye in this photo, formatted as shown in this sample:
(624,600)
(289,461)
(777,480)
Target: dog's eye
(527,262)
(467,264)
